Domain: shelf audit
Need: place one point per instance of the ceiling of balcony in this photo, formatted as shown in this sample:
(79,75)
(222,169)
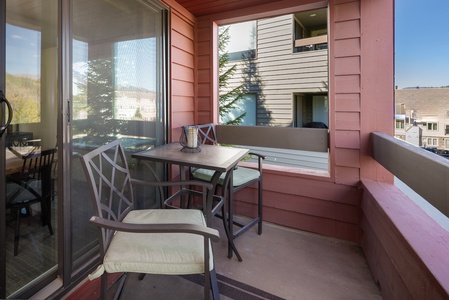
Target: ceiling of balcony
(206,7)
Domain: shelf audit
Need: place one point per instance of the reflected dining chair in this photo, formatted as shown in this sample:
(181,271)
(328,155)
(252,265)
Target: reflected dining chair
(241,177)
(31,185)
(147,241)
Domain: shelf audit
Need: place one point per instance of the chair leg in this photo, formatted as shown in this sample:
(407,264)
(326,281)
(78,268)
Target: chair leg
(46,214)
(104,286)
(214,285)
(259,207)
(231,245)
(119,290)
(17,233)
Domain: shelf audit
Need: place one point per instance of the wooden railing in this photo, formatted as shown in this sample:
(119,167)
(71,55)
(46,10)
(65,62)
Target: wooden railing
(322,39)
(306,139)
(425,172)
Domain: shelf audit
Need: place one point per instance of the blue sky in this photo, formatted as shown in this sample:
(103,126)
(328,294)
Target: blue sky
(422,43)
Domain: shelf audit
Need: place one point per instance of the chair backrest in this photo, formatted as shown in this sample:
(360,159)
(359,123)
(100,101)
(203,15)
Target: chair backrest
(207,133)
(36,163)
(109,182)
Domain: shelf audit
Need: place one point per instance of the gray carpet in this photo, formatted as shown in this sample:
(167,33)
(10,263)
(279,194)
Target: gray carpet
(37,251)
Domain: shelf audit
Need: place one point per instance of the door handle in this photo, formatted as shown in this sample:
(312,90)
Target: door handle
(8,122)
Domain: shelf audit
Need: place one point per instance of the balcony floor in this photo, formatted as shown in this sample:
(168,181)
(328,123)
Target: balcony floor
(288,263)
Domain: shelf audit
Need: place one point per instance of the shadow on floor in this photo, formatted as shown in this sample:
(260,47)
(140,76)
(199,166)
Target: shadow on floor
(288,263)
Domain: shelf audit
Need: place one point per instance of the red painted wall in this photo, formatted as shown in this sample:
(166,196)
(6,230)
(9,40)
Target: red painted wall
(405,248)
(361,101)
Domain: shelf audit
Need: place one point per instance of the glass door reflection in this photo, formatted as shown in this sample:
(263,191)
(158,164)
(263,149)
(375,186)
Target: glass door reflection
(31,88)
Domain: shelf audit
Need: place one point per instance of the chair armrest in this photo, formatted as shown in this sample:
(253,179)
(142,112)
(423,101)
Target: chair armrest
(206,232)
(260,159)
(261,156)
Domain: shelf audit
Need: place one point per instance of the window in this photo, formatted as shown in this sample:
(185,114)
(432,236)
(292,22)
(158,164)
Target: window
(312,111)
(244,46)
(246,110)
(310,30)
(275,88)
(432,126)
(399,124)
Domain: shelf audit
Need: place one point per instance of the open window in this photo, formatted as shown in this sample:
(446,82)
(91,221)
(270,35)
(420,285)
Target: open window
(271,93)
(310,30)
(311,111)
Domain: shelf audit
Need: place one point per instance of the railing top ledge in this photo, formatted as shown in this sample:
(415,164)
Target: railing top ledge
(425,172)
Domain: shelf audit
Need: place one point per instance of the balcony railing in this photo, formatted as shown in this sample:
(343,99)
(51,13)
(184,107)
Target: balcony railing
(312,43)
(426,173)
(408,251)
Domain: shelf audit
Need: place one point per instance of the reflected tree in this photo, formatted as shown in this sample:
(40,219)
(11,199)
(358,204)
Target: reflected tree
(99,90)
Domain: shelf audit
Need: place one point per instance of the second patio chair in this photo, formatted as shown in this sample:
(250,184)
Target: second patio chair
(242,177)
(31,185)
(152,241)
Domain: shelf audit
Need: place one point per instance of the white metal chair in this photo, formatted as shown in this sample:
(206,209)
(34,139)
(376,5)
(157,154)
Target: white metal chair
(148,241)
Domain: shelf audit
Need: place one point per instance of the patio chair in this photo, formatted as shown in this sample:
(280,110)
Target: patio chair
(31,185)
(242,177)
(147,241)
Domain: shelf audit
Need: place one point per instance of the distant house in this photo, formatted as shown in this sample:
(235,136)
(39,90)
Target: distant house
(428,108)
(413,135)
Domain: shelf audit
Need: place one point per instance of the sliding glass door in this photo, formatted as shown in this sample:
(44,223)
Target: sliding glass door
(29,76)
(77,74)
(118,92)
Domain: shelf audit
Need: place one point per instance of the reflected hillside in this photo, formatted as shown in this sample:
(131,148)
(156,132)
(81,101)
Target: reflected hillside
(24,95)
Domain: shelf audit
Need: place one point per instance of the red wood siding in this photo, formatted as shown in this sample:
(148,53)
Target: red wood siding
(377,81)
(207,72)
(360,65)
(405,248)
(182,67)
(305,206)
(344,86)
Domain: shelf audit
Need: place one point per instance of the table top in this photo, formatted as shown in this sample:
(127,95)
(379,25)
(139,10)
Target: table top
(218,158)
(24,151)
(13,163)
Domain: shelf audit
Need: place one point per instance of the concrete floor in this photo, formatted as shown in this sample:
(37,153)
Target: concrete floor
(294,264)
(288,263)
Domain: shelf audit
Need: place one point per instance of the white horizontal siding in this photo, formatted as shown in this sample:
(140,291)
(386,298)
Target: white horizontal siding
(277,73)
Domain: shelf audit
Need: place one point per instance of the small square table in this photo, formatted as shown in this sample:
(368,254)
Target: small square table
(220,159)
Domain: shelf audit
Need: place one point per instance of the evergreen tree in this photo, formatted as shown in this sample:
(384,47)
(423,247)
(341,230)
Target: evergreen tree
(228,98)
(100,93)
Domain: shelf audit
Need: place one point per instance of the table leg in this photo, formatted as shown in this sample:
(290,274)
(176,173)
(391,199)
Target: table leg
(210,198)
(228,185)
(182,174)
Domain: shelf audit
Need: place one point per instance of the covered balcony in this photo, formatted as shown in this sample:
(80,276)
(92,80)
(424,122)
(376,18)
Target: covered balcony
(345,232)
(401,253)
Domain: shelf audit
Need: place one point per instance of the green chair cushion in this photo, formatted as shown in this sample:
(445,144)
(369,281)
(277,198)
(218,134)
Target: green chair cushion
(241,175)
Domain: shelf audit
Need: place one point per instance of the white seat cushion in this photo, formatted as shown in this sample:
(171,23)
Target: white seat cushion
(158,253)
(241,175)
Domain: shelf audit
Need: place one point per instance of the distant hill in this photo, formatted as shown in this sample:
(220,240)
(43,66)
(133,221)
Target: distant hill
(24,94)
